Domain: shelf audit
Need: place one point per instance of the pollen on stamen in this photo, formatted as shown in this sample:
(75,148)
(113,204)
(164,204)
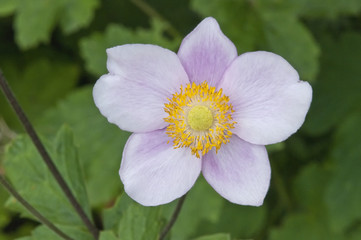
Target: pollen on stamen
(200,133)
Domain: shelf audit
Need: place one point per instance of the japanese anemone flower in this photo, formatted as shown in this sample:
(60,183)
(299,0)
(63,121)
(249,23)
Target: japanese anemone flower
(204,109)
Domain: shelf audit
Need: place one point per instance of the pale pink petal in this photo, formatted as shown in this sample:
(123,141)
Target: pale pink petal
(239,172)
(206,52)
(269,100)
(155,173)
(141,79)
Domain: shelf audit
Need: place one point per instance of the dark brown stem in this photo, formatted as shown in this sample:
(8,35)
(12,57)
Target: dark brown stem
(32,210)
(45,155)
(173,218)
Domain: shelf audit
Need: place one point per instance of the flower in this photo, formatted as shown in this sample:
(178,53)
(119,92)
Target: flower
(204,109)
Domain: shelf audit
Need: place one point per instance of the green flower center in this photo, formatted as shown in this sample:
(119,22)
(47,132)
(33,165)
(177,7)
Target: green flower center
(200,118)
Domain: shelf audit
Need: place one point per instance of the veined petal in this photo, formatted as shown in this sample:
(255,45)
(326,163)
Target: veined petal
(155,173)
(269,100)
(141,79)
(239,172)
(206,53)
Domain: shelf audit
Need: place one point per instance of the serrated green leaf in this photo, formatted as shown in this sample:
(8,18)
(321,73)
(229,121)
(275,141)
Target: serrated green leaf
(93,47)
(100,143)
(141,223)
(133,221)
(218,236)
(111,216)
(35,21)
(30,176)
(77,14)
(337,91)
(7,7)
(344,191)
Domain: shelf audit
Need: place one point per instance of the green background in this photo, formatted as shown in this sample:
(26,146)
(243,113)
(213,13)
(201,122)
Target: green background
(53,51)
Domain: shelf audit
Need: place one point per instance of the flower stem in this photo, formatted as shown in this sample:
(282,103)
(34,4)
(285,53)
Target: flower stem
(151,12)
(45,155)
(173,218)
(32,210)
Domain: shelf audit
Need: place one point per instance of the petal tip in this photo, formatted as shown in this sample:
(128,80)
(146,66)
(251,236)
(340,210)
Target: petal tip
(209,21)
(206,52)
(211,24)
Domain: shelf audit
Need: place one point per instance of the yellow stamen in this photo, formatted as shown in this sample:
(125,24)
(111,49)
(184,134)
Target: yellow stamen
(199,118)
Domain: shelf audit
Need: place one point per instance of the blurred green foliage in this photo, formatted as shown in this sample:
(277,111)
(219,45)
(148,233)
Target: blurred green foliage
(53,51)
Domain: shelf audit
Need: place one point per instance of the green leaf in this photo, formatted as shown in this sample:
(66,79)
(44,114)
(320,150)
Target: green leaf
(309,188)
(213,215)
(44,233)
(204,201)
(100,143)
(4,216)
(7,7)
(344,193)
(77,14)
(141,223)
(31,177)
(93,47)
(133,221)
(326,8)
(277,147)
(249,221)
(111,216)
(311,221)
(37,86)
(337,91)
(289,38)
(107,235)
(218,236)
(304,226)
(35,21)
(355,234)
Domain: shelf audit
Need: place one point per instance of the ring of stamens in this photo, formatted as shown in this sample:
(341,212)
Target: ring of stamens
(199,118)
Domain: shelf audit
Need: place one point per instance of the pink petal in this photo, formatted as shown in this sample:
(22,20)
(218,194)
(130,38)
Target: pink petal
(239,172)
(141,79)
(206,52)
(155,173)
(269,100)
